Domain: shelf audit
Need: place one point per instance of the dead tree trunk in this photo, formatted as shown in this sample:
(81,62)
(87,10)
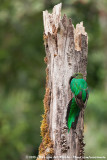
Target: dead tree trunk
(66,53)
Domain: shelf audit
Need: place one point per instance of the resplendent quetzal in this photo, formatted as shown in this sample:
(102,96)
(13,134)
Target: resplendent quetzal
(80,91)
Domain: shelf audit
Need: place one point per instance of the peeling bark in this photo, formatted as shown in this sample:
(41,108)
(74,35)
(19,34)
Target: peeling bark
(66,53)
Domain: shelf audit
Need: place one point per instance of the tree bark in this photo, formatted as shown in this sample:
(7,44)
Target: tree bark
(66,53)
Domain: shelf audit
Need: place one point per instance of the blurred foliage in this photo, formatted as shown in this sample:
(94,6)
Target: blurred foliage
(95,124)
(22,74)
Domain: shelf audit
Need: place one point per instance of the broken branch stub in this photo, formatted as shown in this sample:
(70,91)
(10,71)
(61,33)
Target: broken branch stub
(66,53)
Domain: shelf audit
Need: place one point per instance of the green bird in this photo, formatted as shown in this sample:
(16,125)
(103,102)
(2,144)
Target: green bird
(80,92)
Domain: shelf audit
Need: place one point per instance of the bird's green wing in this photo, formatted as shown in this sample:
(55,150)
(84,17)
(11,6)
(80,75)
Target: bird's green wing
(72,113)
(80,89)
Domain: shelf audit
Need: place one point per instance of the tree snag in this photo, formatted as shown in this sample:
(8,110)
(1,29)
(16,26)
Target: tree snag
(66,53)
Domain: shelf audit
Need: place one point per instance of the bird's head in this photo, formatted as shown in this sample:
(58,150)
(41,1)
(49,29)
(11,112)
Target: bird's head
(77,76)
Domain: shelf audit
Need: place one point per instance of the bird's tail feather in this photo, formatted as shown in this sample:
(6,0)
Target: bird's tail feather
(72,112)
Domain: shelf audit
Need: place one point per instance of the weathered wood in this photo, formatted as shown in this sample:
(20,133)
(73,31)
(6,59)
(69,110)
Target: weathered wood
(66,53)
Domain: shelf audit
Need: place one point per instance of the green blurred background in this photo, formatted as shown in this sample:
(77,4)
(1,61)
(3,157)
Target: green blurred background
(22,74)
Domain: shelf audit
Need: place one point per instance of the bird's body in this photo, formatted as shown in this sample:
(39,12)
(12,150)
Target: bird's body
(80,91)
